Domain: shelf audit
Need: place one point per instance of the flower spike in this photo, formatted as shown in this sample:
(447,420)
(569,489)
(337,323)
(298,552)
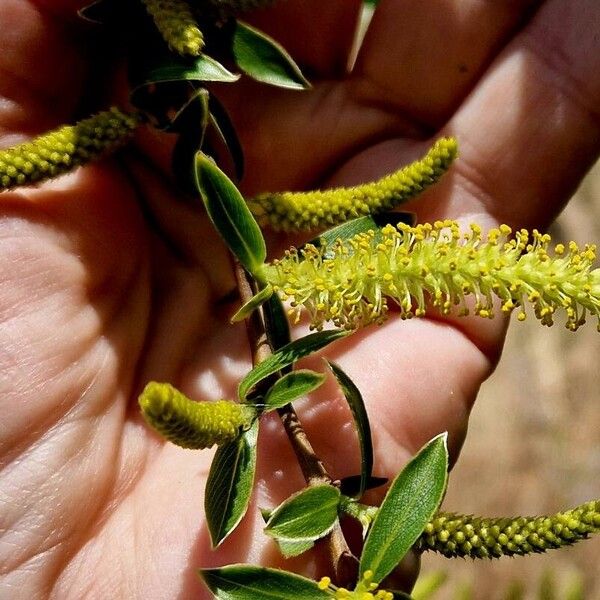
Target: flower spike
(176,23)
(349,282)
(467,536)
(305,211)
(192,424)
(62,150)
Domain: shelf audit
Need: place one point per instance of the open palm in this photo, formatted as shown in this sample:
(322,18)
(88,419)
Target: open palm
(108,279)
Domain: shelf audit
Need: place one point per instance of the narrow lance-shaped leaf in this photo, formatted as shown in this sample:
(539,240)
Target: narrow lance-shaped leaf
(229,485)
(247,582)
(168,67)
(263,59)
(306,516)
(361,422)
(249,307)
(292,386)
(230,215)
(286,356)
(409,504)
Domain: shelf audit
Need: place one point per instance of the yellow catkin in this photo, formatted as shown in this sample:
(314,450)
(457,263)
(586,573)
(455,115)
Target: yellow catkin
(305,211)
(62,150)
(349,283)
(476,537)
(177,24)
(192,424)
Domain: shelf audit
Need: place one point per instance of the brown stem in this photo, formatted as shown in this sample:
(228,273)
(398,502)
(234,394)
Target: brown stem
(344,563)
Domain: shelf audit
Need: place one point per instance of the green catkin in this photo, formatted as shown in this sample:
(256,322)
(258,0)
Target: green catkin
(191,424)
(349,283)
(62,150)
(177,25)
(305,211)
(475,537)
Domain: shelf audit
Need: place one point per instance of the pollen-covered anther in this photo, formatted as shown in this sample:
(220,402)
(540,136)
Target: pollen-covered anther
(176,23)
(302,211)
(436,265)
(62,150)
(192,424)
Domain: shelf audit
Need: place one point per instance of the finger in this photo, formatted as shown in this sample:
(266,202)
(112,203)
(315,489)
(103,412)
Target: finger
(41,72)
(319,35)
(532,128)
(425,59)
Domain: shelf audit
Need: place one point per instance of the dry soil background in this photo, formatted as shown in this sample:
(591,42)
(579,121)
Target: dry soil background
(534,442)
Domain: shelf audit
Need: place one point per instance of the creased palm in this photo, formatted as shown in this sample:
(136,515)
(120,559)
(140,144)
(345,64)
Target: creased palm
(108,279)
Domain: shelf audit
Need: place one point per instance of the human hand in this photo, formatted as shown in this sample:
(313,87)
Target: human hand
(109,280)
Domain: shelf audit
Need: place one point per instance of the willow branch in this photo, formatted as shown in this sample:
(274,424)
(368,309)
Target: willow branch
(344,563)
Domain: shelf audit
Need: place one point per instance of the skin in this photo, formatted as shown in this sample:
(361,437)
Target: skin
(109,279)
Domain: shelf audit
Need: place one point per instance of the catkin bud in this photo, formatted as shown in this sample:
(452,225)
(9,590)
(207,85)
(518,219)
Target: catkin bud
(467,536)
(176,23)
(66,148)
(192,424)
(350,282)
(304,211)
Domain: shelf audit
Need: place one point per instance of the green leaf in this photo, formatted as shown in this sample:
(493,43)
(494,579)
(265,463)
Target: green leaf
(230,215)
(247,582)
(263,59)
(229,484)
(305,516)
(167,66)
(288,355)
(361,422)
(408,506)
(257,300)
(292,386)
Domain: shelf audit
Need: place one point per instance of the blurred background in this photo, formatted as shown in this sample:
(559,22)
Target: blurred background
(534,446)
